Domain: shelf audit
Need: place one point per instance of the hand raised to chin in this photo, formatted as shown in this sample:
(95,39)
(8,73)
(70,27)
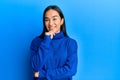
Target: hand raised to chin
(51,33)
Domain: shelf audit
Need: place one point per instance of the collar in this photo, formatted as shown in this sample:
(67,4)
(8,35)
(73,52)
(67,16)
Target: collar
(59,35)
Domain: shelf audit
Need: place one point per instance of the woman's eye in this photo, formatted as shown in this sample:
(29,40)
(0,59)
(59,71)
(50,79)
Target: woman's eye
(46,20)
(54,19)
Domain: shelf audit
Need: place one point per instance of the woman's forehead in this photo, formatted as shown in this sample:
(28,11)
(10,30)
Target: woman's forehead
(51,13)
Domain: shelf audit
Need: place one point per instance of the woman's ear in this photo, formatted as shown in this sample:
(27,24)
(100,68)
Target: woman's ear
(62,20)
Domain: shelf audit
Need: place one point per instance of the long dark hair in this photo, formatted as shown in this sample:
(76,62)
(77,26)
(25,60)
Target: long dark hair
(63,26)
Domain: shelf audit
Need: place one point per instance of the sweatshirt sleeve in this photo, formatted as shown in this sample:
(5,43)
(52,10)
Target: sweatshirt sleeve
(69,68)
(39,54)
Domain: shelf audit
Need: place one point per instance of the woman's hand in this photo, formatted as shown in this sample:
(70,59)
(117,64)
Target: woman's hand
(51,33)
(36,74)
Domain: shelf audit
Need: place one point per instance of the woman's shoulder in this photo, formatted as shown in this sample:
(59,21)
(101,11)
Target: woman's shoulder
(37,39)
(71,40)
(72,44)
(35,42)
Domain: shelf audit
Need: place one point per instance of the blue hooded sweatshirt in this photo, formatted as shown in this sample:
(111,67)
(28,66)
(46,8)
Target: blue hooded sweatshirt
(54,59)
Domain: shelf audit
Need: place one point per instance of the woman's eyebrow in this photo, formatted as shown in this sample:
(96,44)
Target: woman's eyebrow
(46,17)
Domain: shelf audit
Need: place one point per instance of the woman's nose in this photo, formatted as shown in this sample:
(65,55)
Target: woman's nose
(51,23)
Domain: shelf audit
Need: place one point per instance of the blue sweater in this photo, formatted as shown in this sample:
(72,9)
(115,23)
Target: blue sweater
(55,59)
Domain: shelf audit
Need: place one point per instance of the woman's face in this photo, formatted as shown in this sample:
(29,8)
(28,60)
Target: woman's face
(53,21)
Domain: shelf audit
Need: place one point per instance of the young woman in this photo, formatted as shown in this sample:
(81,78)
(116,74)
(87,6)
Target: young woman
(53,53)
